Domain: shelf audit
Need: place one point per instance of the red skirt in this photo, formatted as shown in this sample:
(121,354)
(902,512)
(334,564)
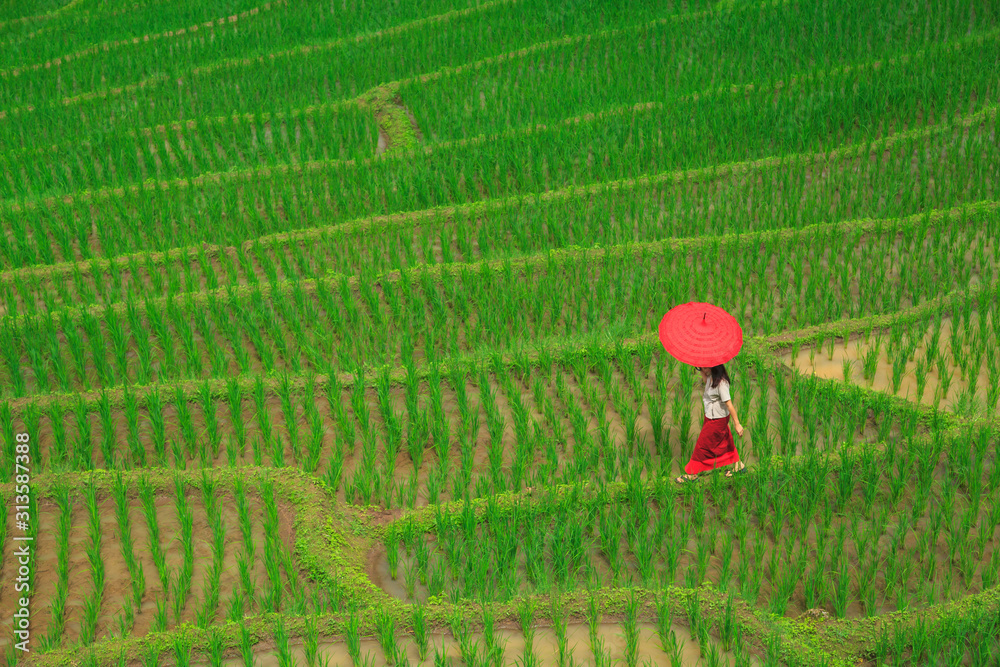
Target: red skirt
(715,447)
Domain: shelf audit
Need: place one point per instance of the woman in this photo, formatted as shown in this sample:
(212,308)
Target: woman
(715,447)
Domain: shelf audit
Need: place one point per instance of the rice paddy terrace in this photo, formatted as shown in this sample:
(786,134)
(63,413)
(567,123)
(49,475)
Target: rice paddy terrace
(328,332)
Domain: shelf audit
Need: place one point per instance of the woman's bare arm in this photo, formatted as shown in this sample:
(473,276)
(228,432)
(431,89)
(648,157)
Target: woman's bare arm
(736,419)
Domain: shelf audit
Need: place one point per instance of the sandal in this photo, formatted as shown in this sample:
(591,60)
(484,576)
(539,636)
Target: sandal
(740,471)
(684,479)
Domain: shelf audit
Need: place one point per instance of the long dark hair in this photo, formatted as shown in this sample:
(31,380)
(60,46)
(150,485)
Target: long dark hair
(718,374)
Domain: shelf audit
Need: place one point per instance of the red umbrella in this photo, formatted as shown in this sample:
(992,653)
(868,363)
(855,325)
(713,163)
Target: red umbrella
(700,334)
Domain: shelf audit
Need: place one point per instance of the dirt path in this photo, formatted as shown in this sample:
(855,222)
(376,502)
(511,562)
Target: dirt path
(397,127)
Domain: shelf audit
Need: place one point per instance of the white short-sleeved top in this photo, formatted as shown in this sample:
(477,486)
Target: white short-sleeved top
(715,399)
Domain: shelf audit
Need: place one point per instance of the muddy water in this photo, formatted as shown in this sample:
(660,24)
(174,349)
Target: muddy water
(378,572)
(118,580)
(820,362)
(544,646)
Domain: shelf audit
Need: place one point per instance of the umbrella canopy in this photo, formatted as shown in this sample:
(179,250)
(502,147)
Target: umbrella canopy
(700,334)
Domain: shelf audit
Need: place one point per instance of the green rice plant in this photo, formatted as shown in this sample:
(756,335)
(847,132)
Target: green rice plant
(410,573)
(656,415)
(210,595)
(65,504)
(436,579)
(234,395)
(277,452)
(712,655)
(335,468)
(185,519)
(352,636)
(58,460)
(593,619)
(725,565)
(152,525)
(945,375)
(180,459)
(420,631)
(467,646)
(841,591)
(772,644)
(631,629)
(814,584)
(699,508)
(185,421)
(494,646)
(682,412)
(704,640)
(694,613)
(559,626)
(526,615)
(701,566)
(282,647)
(246,645)
(795,353)
(182,652)
(272,563)
(783,581)
(215,649)
(920,637)
(137,451)
(160,617)
(412,488)
(675,651)
(991,571)
(441,659)
(107,432)
(392,550)
(830,344)
(288,409)
(663,622)
(869,360)
(847,368)
(898,366)
(920,374)
(243,514)
(992,386)
(207,403)
(845,478)
(968,562)
(868,594)
(610,529)
(154,409)
(315,442)
(602,655)
(750,579)
(727,627)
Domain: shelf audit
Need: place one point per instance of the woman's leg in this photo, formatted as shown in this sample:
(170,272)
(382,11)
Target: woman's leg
(701,451)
